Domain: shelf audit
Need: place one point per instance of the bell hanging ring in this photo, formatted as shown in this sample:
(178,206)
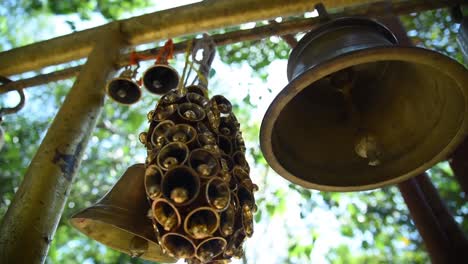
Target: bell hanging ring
(124,88)
(9,110)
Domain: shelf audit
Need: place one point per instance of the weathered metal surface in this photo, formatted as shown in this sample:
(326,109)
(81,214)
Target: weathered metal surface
(29,225)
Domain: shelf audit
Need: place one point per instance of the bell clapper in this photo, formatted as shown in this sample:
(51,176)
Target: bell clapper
(199,230)
(170,162)
(154,191)
(179,195)
(206,255)
(204,169)
(179,137)
(170,222)
(138,247)
(190,114)
(367,147)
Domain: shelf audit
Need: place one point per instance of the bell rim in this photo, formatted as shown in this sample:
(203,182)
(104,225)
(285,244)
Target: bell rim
(160,65)
(124,79)
(81,214)
(450,67)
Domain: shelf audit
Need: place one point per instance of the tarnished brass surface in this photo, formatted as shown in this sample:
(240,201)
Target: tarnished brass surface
(120,216)
(361,112)
(198,177)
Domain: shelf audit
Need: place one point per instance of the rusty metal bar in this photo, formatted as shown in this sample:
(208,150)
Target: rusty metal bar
(378,9)
(32,218)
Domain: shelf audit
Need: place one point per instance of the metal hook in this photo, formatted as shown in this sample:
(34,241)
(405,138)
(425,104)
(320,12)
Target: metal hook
(12,110)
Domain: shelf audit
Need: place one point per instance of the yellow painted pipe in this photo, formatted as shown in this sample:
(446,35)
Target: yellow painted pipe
(184,20)
(32,218)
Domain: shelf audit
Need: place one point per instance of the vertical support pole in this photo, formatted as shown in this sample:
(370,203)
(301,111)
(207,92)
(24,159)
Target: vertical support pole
(457,240)
(32,218)
(459,163)
(434,238)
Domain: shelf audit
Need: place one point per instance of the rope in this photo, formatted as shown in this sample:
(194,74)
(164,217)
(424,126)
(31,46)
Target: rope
(181,85)
(208,46)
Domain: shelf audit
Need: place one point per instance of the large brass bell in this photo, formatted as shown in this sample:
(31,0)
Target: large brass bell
(361,112)
(124,89)
(160,79)
(119,220)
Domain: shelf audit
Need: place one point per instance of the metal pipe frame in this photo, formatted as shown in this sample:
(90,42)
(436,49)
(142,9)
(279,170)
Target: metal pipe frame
(377,9)
(179,21)
(32,218)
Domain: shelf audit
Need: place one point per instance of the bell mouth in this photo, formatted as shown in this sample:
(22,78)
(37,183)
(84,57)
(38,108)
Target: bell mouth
(160,79)
(123,91)
(119,234)
(307,136)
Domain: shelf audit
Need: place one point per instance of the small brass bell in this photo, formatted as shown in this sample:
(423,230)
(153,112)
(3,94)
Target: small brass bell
(218,194)
(181,185)
(210,248)
(198,89)
(201,222)
(124,89)
(118,220)
(204,162)
(361,112)
(160,79)
(178,245)
(166,214)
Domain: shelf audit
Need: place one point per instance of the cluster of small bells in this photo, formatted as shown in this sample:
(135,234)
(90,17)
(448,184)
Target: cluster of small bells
(197,177)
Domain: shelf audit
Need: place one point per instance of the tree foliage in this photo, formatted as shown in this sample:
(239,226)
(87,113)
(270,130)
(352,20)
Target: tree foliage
(375,225)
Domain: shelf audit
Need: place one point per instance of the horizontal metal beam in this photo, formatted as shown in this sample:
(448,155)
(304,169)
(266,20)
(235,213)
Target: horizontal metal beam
(378,9)
(189,19)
